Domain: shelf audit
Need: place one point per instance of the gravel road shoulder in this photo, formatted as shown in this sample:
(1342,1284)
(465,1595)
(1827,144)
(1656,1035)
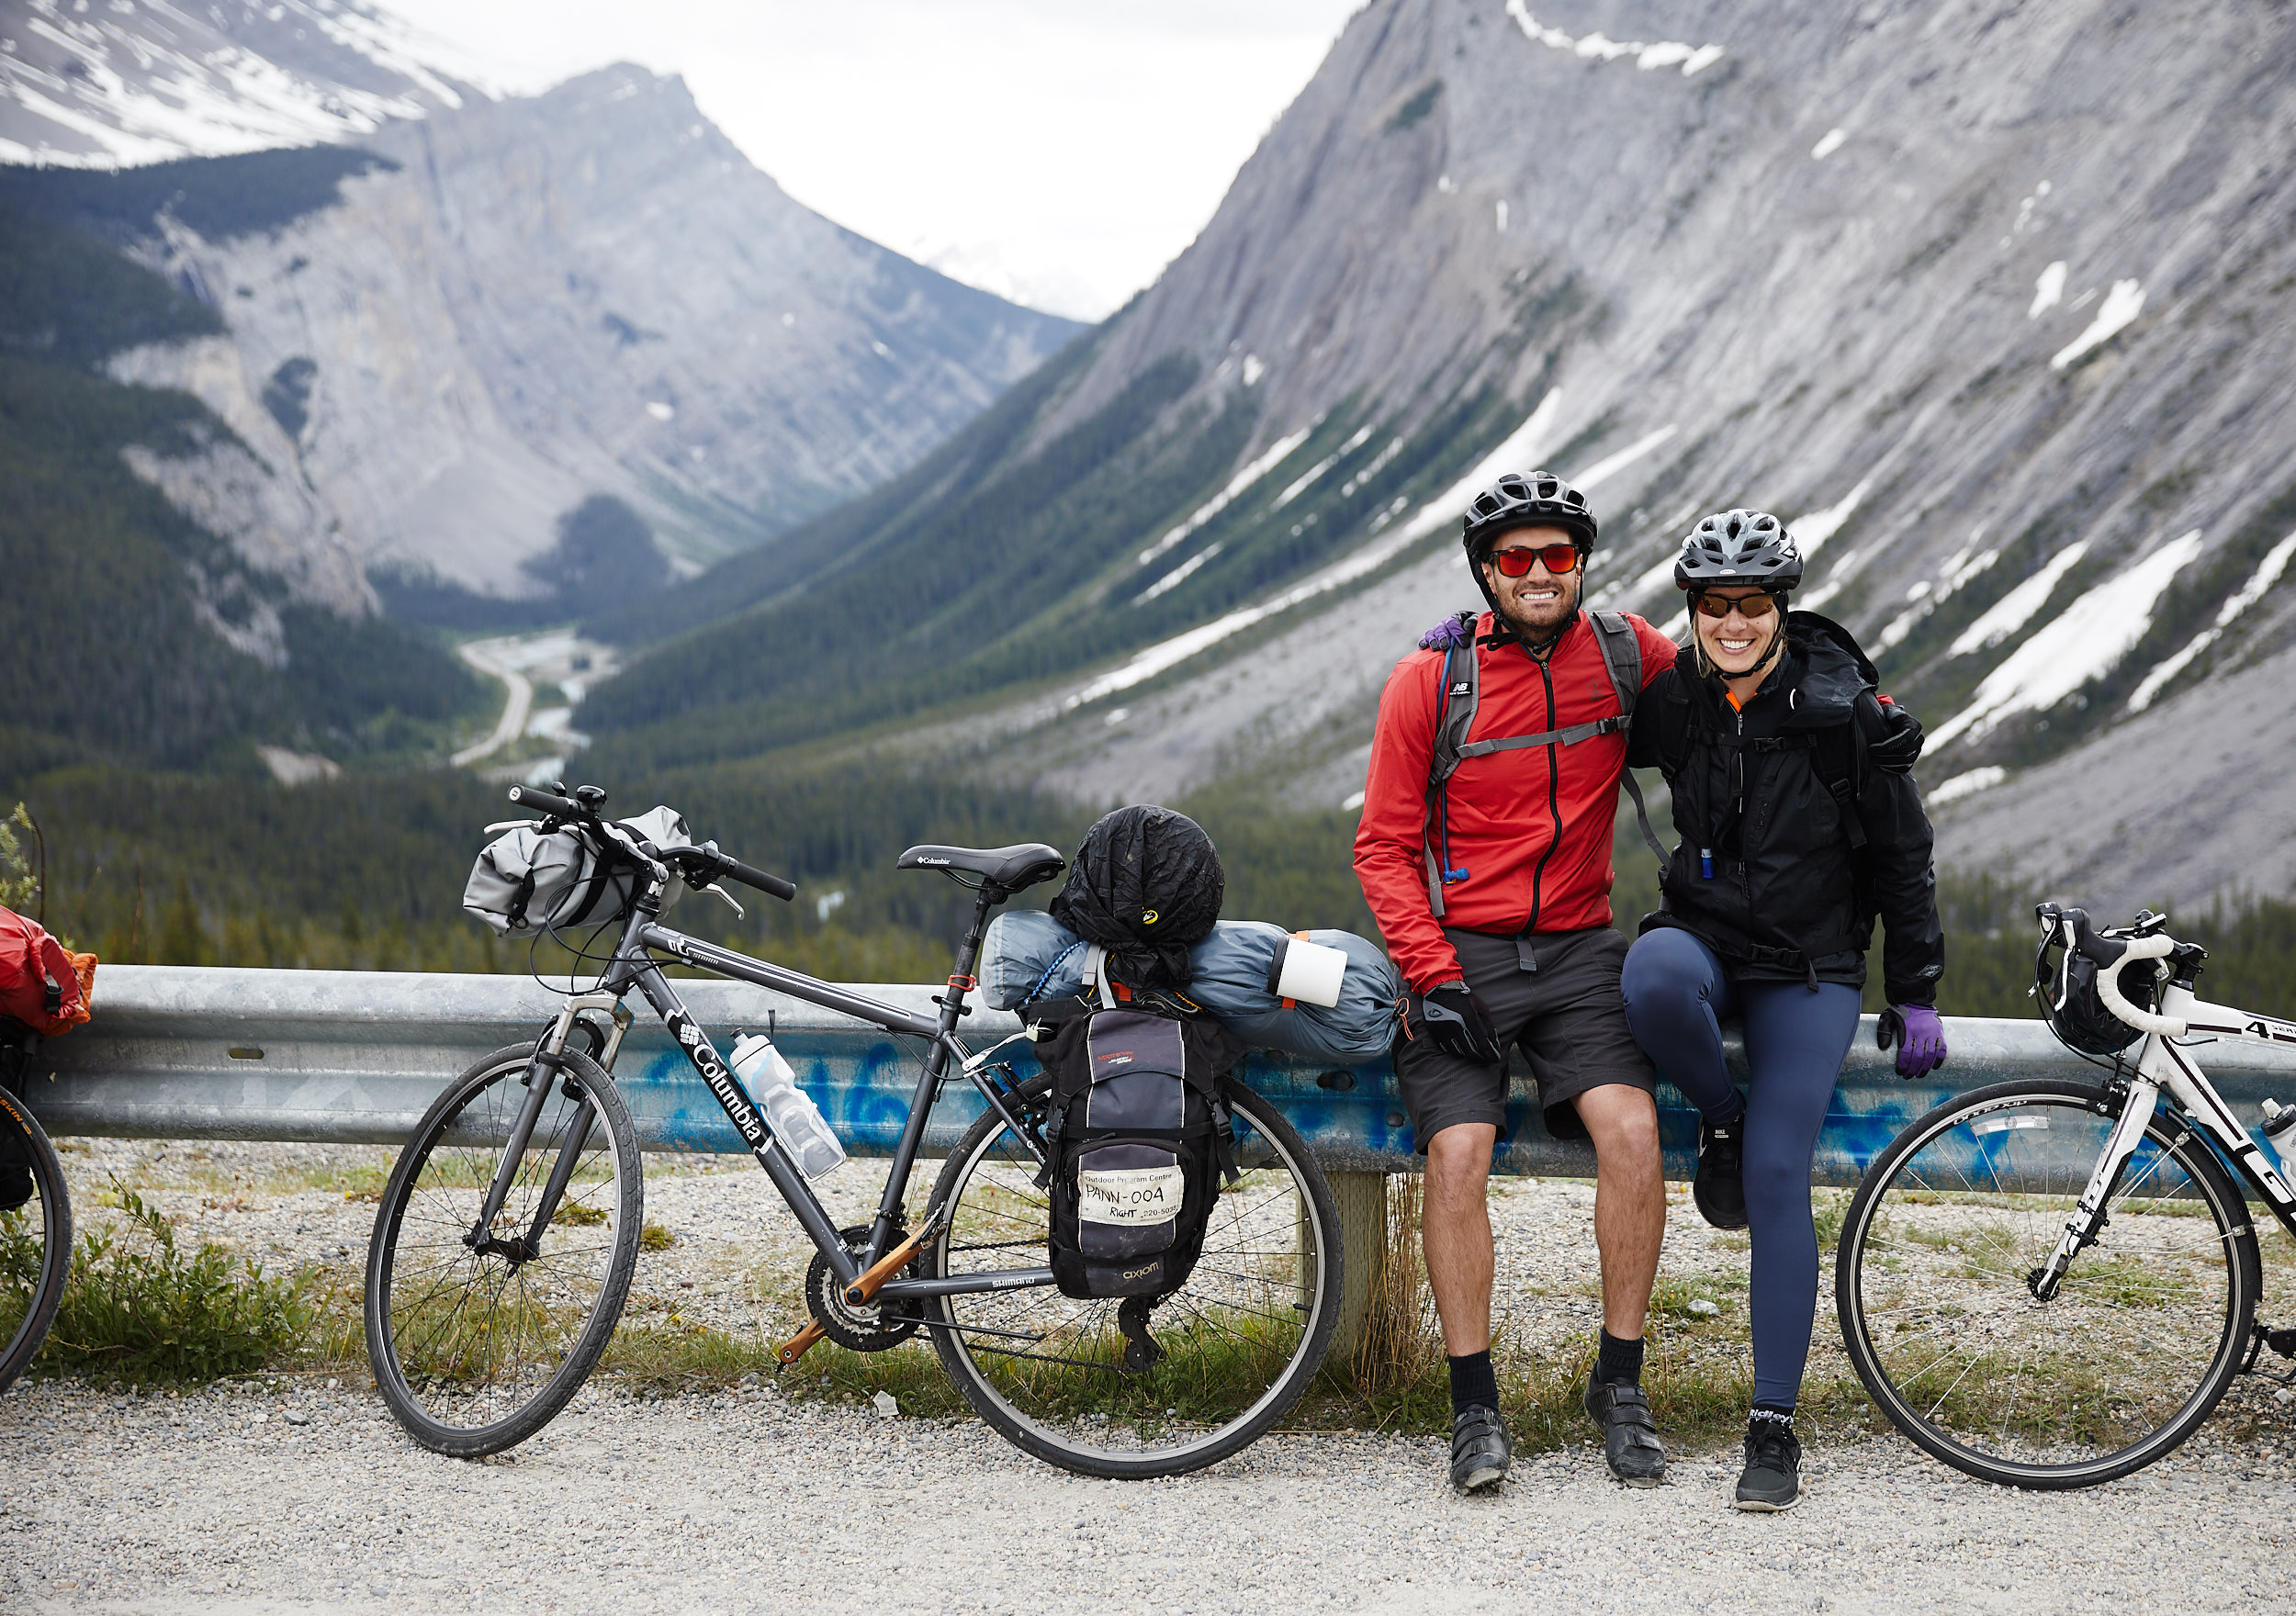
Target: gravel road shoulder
(309,1498)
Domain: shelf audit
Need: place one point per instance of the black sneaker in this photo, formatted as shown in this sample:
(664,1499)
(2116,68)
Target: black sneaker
(1720,1187)
(1481,1449)
(1772,1477)
(1631,1436)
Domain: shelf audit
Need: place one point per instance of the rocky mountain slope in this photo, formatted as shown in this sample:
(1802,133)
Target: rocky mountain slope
(144,81)
(1992,305)
(523,303)
(529,301)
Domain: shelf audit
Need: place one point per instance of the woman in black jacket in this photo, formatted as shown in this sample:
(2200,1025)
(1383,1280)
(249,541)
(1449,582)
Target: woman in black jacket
(1799,823)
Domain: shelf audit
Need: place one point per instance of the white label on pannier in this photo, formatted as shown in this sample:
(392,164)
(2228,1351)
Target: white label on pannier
(1131,1196)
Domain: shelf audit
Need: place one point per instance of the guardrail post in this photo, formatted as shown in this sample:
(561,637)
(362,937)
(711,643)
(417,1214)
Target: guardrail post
(1362,1201)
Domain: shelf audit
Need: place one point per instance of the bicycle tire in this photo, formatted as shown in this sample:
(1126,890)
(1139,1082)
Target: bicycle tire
(1971,1198)
(1121,1424)
(445,1370)
(35,1245)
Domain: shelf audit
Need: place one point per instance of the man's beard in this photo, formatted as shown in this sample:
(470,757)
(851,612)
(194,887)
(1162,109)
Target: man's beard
(1536,636)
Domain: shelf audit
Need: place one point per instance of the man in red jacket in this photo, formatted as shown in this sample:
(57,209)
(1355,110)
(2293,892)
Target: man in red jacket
(1493,890)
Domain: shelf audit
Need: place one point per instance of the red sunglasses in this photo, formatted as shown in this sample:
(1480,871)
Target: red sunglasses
(1516,563)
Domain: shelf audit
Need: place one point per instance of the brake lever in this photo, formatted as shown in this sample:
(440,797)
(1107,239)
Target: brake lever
(728,897)
(501,824)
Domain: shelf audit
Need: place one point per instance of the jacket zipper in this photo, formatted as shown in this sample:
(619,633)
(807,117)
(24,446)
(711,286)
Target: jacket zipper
(1738,801)
(1554,800)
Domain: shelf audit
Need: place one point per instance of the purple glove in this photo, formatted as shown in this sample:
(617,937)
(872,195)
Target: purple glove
(1919,1035)
(1453,633)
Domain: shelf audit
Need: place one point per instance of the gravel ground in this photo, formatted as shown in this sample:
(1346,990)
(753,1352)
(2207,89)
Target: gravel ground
(306,1499)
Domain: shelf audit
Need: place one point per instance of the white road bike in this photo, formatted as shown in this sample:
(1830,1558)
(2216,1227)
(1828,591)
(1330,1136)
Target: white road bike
(2049,1284)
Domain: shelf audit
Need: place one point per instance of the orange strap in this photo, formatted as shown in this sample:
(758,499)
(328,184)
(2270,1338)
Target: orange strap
(1293,1004)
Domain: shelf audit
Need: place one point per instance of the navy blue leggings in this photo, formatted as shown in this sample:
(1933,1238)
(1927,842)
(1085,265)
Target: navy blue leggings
(1678,995)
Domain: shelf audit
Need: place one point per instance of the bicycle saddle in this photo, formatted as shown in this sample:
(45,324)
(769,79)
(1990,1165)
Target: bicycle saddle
(1019,866)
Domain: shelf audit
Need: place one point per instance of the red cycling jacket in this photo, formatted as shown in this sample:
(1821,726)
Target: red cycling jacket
(1532,826)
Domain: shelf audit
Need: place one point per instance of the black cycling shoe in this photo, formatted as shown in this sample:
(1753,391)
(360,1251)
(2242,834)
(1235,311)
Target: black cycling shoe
(1631,1436)
(1481,1449)
(1772,1477)
(1720,1187)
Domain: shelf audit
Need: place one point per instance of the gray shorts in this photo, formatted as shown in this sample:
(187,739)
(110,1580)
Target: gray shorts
(1567,1016)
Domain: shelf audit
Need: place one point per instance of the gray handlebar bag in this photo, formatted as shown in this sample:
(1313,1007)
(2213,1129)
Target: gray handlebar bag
(527,880)
(1028,954)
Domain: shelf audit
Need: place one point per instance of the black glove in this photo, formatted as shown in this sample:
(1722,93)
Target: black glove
(1459,1024)
(1898,748)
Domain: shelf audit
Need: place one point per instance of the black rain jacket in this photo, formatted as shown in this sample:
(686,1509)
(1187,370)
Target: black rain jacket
(1788,899)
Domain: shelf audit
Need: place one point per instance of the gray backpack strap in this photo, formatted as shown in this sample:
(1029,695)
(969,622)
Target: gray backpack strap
(1455,716)
(1622,655)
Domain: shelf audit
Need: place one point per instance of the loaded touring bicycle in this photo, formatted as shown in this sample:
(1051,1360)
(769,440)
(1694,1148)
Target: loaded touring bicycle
(507,1233)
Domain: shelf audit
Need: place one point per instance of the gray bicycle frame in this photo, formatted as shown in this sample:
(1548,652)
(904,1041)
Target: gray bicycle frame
(634,966)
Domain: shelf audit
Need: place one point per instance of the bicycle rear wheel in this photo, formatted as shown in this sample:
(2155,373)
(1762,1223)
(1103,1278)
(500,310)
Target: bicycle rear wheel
(35,1237)
(2129,1355)
(475,1350)
(1240,1338)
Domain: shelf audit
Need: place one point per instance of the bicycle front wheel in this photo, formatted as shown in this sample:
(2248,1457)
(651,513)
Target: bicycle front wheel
(2115,1369)
(35,1237)
(1239,1340)
(479,1336)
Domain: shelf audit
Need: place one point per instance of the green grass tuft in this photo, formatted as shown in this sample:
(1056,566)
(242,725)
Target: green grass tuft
(139,1309)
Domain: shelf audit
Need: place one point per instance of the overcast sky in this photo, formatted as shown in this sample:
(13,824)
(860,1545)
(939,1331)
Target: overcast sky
(1058,151)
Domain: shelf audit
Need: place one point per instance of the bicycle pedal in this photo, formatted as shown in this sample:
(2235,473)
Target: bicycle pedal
(798,1345)
(2282,1341)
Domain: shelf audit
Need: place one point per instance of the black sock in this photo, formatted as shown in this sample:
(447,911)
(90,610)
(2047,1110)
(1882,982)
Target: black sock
(1618,1362)
(1770,1416)
(1472,1382)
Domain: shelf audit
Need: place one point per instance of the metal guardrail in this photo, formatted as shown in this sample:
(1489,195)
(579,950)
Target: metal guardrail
(355,1057)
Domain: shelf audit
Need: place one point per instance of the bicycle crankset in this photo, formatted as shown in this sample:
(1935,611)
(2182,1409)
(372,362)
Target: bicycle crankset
(863,1328)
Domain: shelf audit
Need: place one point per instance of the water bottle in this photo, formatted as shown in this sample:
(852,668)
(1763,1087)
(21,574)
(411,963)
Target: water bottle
(2280,1132)
(790,1112)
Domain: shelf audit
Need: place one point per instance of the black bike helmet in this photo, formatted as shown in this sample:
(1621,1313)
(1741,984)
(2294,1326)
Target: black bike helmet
(1540,499)
(2065,981)
(1739,547)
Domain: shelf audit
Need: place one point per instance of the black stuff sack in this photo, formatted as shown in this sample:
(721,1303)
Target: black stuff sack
(1146,885)
(1138,1142)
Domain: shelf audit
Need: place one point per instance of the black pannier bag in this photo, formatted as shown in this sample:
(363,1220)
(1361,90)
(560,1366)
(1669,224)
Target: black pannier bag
(1139,1140)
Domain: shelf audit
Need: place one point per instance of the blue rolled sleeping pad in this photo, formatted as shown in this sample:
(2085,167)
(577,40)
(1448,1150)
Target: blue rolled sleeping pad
(1028,955)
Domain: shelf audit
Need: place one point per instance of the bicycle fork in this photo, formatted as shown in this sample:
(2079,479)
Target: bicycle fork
(2081,1228)
(540,1078)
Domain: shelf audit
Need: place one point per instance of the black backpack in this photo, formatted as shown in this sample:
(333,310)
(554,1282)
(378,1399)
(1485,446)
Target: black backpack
(1458,692)
(1138,1142)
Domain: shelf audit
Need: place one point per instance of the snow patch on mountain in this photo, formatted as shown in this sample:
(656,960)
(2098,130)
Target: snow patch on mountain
(2016,609)
(2095,631)
(1522,447)
(1277,453)
(119,85)
(2121,304)
(1691,59)
(2260,582)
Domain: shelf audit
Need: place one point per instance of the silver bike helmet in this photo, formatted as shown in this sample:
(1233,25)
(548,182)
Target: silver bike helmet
(1739,547)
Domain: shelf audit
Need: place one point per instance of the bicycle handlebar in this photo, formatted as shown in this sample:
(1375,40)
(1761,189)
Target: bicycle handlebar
(705,862)
(714,864)
(564,807)
(2109,980)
